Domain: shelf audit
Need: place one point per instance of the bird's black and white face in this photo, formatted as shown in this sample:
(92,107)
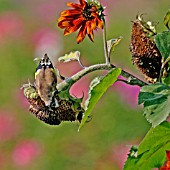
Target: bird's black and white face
(46,81)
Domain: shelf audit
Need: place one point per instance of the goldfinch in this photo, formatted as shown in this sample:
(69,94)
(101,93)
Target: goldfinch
(46,81)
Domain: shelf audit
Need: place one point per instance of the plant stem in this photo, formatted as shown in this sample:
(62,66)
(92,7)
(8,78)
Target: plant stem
(107,57)
(130,79)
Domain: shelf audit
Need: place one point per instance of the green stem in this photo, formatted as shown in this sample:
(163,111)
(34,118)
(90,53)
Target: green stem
(130,79)
(107,57)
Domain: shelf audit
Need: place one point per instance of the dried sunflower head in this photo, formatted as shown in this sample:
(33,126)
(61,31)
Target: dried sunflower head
(145,54)
(66,111)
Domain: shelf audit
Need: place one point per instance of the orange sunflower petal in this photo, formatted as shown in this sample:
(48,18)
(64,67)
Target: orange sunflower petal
(93,24)
(83,2)
(87,19)
(68,30)
(73,5)
(68,18)
(64,24)
(76,25)
(100,23)
(88,24)
(82,33)
(70,12)
(90,30)
(78,21)
(91,36)
(61,19)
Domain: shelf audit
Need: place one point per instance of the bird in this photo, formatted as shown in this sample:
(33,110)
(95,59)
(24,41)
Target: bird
(46,81)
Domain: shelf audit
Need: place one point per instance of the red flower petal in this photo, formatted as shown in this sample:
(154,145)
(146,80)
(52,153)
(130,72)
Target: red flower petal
(164,168)
(168,155)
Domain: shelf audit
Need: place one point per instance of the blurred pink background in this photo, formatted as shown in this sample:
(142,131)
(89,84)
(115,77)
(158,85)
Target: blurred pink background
(28,29)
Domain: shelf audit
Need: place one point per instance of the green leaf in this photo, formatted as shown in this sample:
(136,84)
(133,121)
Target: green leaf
(166,80)
(156,100)
(132,159)
(70,57)
(152,150)
(167,19)
(163,43)
(111,44)
(97,88)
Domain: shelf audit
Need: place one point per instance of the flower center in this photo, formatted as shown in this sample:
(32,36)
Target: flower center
(87,12)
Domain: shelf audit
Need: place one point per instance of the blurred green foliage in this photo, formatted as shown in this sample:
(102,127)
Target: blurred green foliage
(113,123)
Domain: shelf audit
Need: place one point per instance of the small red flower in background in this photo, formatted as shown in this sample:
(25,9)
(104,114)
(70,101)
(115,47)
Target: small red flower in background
(167,164)
(87,16)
